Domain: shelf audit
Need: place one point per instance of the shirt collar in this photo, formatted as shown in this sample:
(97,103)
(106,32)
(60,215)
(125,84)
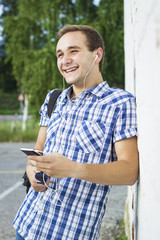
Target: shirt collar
(97,90)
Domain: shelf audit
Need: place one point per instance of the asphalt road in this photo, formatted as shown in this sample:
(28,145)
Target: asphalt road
(12,193)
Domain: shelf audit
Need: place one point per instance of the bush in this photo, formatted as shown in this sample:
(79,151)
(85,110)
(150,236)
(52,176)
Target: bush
(9,103)
(11,131)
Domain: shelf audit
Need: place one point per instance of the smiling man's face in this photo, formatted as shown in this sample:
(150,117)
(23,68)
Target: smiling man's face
(73,57)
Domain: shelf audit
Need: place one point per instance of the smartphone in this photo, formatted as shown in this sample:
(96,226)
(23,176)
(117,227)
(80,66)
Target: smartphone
(29,151)
(39,175)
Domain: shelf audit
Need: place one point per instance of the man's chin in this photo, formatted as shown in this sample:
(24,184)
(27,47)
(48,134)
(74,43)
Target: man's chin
(72,81)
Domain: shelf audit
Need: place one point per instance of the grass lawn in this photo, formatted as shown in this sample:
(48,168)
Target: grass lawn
(11,131)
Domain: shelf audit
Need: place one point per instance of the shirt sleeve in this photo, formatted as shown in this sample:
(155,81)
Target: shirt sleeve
(126,125)
(44,112)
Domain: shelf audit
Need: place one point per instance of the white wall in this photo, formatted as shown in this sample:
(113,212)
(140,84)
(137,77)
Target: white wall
(142,53)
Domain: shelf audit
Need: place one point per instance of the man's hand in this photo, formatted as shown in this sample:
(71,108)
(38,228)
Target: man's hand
(31,171)
(54,165)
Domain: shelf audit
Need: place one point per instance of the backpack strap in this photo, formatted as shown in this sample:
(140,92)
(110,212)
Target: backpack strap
(52,101)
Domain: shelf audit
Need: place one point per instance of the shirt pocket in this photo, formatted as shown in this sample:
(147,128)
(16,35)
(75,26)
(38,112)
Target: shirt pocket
(90,136)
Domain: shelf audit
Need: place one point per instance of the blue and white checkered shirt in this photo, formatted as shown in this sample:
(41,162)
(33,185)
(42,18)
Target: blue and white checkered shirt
(83,130)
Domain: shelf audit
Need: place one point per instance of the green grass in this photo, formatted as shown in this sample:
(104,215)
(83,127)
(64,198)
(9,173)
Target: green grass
(121,235)
(12,132)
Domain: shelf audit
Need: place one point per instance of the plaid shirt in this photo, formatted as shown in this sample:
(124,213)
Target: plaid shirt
(83,130)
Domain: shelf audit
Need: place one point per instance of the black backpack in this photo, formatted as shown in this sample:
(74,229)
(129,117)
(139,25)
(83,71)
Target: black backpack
(51,104)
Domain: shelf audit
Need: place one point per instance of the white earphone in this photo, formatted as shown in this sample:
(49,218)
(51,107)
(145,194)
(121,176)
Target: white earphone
(96,57)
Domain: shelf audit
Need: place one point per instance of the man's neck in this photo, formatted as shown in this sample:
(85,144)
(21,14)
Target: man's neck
(77,90)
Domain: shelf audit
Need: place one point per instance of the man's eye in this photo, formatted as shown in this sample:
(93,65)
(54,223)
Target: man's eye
(74,51)
(59,55)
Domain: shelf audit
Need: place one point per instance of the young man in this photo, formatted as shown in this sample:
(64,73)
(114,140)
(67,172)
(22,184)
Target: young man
(89,143)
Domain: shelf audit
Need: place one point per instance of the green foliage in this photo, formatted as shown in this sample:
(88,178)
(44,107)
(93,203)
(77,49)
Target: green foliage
(110,25)
(9,103)
(7,80)
(121,235)
(30,33)
(11,131)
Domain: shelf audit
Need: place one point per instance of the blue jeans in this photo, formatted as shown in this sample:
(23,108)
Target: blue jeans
(18,236)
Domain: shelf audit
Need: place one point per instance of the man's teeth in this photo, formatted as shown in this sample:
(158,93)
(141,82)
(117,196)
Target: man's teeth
(70,70)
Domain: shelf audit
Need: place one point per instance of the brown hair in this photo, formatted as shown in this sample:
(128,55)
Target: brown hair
(94,39)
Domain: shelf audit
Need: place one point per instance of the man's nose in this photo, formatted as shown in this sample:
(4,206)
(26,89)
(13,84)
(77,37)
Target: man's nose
(66,59)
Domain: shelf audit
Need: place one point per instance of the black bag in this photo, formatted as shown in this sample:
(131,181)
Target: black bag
(51,104)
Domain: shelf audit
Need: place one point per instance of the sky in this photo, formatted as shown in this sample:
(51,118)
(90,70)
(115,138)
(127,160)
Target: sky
(96,2)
